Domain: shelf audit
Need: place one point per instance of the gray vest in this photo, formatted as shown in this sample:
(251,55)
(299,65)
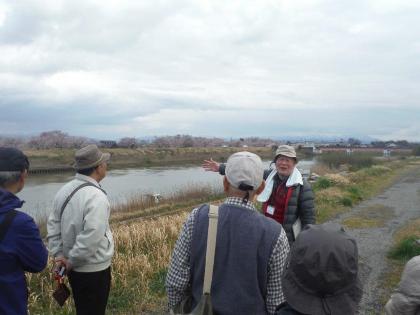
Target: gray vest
(245,240)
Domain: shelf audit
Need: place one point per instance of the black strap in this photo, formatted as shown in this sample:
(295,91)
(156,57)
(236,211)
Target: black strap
(4,226)
(75,191)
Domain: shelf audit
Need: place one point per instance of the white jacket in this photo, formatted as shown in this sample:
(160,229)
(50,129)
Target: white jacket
(82,235)
(406,299)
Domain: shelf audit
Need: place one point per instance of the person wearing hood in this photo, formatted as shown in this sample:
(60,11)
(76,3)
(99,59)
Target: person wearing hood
(406,299)
(322,276)
(21,246)
(287,197)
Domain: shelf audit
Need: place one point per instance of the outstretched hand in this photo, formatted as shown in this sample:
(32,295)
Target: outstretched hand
(210,165)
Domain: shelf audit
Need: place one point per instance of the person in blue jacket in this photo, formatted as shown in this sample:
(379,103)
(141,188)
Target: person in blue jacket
(21,247)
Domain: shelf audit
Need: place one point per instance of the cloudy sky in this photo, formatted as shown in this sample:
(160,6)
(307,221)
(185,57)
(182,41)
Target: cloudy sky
(108,69)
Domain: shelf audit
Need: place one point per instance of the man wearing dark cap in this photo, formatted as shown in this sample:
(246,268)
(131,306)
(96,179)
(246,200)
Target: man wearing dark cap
(251,250)
(322,276)
(21,247)
(79,236)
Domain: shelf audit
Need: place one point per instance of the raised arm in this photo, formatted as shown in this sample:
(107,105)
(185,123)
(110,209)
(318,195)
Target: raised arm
(210,165)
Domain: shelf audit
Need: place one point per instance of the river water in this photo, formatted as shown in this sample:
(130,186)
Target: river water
(120,184)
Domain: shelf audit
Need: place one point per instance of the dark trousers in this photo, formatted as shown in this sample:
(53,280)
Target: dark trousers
(90,291)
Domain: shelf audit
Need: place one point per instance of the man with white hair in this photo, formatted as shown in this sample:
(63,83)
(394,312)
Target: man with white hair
(251,250)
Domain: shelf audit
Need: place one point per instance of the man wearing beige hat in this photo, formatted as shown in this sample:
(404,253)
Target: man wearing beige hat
(79,237)
(287,198)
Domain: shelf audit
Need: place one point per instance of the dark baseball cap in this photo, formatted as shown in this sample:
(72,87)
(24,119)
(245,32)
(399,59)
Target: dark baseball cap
(13,160)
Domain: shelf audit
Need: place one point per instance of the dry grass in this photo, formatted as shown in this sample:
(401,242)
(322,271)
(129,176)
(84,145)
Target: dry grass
(142,249)
(321,169)
(338,180)
(411,229)
(370,217)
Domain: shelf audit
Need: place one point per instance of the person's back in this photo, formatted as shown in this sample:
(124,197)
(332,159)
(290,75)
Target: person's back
(73,220)
(79,236)
(21,247)
(251,250)
(406,299)
(244,245)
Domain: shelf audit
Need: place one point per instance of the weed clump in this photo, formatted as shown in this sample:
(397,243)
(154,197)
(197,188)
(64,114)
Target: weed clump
(322,183)
(406,249)
(346,201)
(355,193)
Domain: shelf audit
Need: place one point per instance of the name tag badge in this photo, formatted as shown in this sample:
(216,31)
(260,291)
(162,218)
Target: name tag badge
(270,210)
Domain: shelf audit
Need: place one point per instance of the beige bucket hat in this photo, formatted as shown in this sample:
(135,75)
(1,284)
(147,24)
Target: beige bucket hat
(90,156)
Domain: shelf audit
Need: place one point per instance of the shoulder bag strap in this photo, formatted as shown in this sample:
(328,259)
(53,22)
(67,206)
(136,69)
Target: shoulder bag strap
(4,226)
(211,246)
(73,192)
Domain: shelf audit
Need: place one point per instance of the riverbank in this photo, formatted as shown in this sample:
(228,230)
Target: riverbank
(61,160)
(143,247)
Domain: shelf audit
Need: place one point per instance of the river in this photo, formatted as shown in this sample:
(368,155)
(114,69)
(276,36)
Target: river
(40,190)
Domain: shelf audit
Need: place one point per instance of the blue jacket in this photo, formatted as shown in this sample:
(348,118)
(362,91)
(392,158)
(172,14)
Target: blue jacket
(21,250)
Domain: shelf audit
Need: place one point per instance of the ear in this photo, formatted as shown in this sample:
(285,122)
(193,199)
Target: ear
(23,176)
(226,184)
(261,188)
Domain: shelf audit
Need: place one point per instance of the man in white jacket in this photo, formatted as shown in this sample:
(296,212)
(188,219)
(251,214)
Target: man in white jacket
(79,236)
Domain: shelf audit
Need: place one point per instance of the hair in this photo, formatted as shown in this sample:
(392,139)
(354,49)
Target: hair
(9,178)
(246,195)
(87,171)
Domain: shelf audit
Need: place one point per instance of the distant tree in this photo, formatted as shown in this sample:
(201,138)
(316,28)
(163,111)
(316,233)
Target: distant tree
(416,150)
(57,139)
(161,142)
(187,142)
(12,142)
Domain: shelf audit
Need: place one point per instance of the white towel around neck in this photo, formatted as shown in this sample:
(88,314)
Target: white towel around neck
(294,179)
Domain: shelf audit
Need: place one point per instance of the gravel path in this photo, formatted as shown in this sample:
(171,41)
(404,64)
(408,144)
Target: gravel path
(393,208)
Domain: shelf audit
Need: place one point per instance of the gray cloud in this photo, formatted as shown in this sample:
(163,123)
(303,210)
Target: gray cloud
(268,68)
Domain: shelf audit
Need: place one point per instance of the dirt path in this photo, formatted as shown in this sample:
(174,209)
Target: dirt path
(386,213)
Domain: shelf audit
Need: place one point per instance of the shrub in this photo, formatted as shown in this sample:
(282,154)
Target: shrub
(322,183)
(406,249)
(346,201)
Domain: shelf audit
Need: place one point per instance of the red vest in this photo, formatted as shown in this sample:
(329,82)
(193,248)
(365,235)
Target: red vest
(279,200)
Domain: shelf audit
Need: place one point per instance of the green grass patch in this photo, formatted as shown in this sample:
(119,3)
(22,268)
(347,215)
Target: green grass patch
(406,249)
(346,202)
(355,193)
(322,183)
(157,283)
